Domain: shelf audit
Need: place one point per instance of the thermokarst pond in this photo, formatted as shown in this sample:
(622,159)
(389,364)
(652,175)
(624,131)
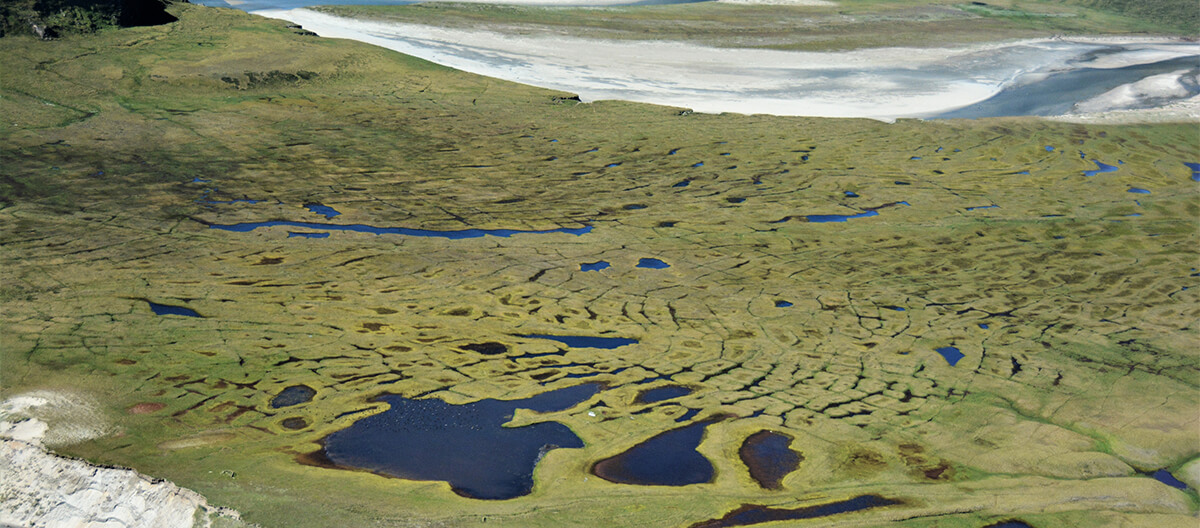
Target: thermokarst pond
(464,445)
(769,458)
(294,395)
(666,459)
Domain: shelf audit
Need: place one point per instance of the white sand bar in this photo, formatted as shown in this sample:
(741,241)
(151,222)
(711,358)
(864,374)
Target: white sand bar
(882,83)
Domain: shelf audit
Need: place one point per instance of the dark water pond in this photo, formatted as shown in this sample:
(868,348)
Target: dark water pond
(1101,167)
(851,194)
(983,207)
(666,459)
(750,514)
(769,458)
(820,219)
(1195,170)
(1138,190)
(594,266)
(652,263)
(782,304)
(1167,478)
(586,341)
(658,394)
(294,395)
(951,354)
(166,309)
(464,445)
(324,210)
(360,228)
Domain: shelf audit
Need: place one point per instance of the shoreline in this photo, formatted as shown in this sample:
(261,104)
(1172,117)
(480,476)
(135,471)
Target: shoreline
(868,83)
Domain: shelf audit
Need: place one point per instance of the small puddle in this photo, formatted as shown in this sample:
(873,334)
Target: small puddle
(1195,170)
(652,263)
(585,341)
(294,395)
(1101,167)
(750,514)
(1009,524)
(324,210)
(594,266)
(821,219)
(767,455)
(951,354)
(1049,148)
(1167,478)
(683,183)
(1138,190)
(490,348)
(658,394)
(666,459)
(464,445)
(851,194)
(782,304)
(983,207)
(360,228)
(166,309)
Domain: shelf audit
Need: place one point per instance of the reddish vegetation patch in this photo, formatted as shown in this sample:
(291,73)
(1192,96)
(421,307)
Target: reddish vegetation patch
(146,408)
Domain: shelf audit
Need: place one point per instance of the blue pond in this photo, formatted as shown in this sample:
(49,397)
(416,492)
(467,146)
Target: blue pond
(698,164)
(951,354)
(585,341)
(1009,524)
(1049,148)
(667,459)
(782,304)
(325,210)
(464,445)
(1195,170)
(983,326)
(594,266)
(228,202)
(166,309)
(658,394)
(1167,478)
(296,234)
(1102,167)
(652,263)
(749,514)
(360,228)
(683,183)
(294,395)
(820,219)
(851,194)
(769,458)
(895,308)
(1137,190)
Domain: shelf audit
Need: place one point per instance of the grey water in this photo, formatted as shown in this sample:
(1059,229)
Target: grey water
(1058,93)
(294,395)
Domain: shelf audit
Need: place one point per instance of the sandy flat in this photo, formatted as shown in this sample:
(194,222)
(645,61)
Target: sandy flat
(881,83)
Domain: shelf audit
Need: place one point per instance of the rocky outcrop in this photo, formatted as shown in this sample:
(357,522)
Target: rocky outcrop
(39,489)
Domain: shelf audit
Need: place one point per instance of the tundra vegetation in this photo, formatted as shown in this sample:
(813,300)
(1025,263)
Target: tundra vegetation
(223,358)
